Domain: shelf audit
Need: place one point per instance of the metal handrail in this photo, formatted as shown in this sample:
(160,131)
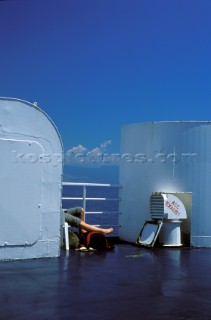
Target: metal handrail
(84,198)
(81,198)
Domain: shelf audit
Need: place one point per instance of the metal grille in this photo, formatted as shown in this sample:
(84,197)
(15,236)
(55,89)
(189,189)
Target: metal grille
(157,206)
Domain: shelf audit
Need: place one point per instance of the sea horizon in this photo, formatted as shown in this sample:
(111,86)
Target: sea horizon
(103,174)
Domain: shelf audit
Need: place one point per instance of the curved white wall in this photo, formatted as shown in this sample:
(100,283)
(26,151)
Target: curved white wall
(31,180)
(166,157)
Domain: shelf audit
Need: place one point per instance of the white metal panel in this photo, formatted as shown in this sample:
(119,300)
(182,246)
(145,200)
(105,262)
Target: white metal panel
(18,225)
(31,177)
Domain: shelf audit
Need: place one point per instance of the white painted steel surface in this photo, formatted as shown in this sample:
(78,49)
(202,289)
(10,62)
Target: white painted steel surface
(166,157)
(31,182)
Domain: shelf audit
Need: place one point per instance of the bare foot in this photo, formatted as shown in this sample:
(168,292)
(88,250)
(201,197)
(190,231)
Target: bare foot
(107,231)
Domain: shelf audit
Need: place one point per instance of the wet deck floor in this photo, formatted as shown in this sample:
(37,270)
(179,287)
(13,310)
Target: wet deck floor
(128,283)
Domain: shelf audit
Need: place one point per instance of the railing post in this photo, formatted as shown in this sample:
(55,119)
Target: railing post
(84,201)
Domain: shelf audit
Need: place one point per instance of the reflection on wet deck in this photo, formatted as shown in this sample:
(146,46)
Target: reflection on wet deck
(128,283)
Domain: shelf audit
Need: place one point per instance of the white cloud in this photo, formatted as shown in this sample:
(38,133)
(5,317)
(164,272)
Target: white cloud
(104,145)
(97,156)
(74,150)
(101,149)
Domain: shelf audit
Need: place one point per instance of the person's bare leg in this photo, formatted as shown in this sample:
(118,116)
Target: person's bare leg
(81,216)
(88,227)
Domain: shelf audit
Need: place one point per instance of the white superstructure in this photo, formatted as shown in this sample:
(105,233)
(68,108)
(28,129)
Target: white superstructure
(169,157)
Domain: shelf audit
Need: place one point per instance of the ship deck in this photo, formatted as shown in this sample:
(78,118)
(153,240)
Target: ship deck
(128,283)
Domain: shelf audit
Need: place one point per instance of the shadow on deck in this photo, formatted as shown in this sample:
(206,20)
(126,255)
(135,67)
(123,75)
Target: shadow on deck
(128,283)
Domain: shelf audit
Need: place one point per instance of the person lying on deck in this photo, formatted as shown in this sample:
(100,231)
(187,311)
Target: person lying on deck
(75,218)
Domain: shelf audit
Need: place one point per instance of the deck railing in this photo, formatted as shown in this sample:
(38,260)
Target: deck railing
(82,199)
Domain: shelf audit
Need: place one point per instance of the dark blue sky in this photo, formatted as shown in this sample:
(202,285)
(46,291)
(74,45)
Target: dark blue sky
(96,65)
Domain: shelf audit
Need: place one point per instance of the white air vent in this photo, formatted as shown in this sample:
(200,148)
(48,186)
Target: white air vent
(166,205)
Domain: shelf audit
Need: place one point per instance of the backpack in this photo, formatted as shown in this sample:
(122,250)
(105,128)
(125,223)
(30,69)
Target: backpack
(96,241)
(74,241)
